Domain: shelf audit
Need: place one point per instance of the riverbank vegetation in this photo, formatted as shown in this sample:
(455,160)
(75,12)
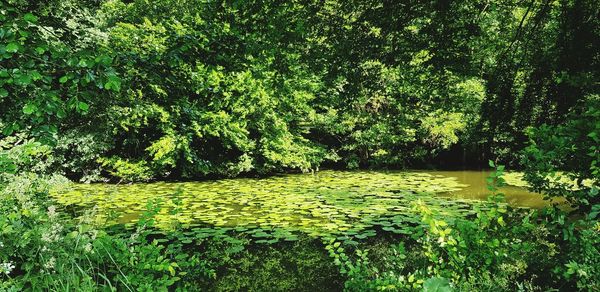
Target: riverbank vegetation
(131,92)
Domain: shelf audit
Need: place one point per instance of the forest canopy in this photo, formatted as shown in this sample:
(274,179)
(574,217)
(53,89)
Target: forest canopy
(142,90)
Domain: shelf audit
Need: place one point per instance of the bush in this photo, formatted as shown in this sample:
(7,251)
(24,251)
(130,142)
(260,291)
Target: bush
(42,248)
(498,248)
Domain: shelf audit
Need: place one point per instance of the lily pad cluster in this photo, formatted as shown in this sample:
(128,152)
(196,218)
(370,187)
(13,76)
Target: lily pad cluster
(343,204)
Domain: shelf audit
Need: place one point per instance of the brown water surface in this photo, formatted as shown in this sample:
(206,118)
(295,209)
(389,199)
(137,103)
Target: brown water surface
(477,189)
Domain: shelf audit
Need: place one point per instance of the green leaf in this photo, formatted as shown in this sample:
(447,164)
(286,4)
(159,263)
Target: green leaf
(24,79)
(83,106)
(114,83)
(7,131)
(40,50)
(437,284)
(63,79)
(36,75)
(29,109)
(30,18)
(3,92)
(103,60)
(61,113)
(6,164)
(84,63)
(12,47)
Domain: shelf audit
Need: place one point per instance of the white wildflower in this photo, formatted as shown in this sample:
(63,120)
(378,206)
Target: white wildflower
(49,265)
(6,268)
(52,212)
(47,237)
(88,247)
(53,233)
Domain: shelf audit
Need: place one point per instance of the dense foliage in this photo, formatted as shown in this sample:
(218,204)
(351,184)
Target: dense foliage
(141,90)
(185,89)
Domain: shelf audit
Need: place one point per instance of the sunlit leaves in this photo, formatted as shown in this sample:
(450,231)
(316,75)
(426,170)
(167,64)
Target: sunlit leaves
(29,109)
(43,74)
(82,106)
(437,284)
(104,60)
(40,50)
(113,83)
(30,18)
(12,47)
(63,79)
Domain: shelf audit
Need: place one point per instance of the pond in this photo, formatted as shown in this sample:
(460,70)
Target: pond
(350,204)
(515,191)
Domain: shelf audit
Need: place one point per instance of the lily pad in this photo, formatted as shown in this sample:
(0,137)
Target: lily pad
(329,204)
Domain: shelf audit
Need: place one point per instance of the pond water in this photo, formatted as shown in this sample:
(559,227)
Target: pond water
(350,204)
(476,188)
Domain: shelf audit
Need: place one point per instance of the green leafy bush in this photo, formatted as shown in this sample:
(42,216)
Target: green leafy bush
(570,149)
(43,248)
(498,248)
